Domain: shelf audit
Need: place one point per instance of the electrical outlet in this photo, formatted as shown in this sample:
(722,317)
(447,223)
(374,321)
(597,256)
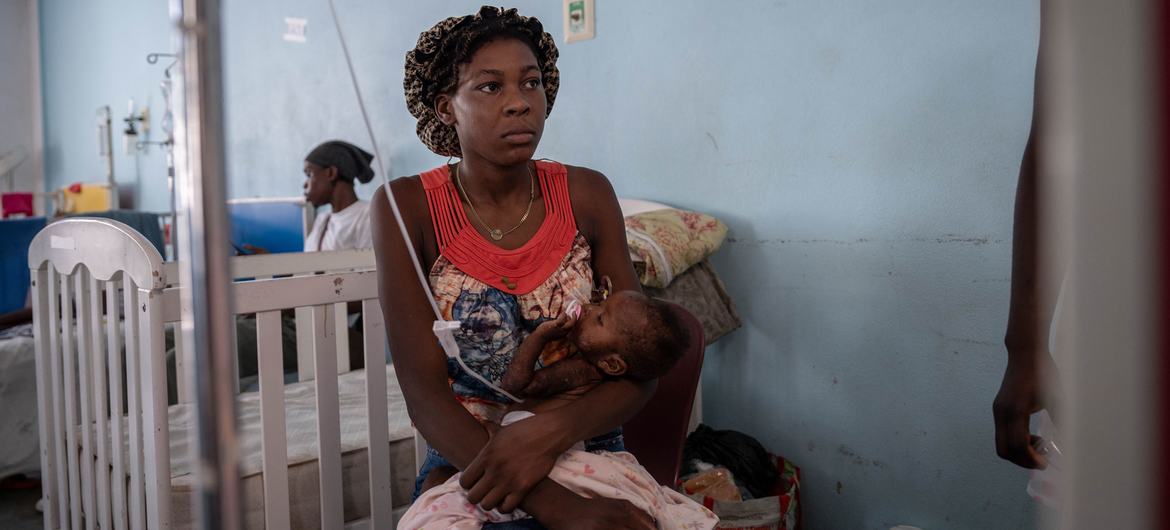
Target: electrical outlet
(578,20)
(295,28)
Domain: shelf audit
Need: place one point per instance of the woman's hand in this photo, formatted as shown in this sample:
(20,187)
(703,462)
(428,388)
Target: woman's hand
(599,513)
(514,460)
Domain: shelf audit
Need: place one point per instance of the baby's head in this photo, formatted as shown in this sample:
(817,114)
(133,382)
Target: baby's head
(631,335)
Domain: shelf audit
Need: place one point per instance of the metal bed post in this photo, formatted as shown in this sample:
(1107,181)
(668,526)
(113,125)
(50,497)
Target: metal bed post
(204,273)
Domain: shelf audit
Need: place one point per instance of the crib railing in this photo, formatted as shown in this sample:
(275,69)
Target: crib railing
(325,296)
(268,266)
(100,288)
(95,285)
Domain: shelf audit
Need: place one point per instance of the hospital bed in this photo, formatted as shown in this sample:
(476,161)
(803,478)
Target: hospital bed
(18,395)
(315,453)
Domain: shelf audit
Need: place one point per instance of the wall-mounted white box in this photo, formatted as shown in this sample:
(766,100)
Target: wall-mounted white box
(295,28)
(578,20)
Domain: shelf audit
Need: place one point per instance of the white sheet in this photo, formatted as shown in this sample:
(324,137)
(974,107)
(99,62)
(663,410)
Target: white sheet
(301,436)
(300,418)
(636,206)
(18,415)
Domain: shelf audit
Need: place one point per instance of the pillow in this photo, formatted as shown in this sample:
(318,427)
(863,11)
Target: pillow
(669,241)
(636,206)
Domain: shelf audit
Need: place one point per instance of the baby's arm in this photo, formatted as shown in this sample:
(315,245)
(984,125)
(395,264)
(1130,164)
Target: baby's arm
(562,376)
(520,370)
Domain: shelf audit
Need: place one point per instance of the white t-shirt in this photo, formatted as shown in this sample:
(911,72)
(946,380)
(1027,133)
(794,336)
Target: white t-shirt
(348,229)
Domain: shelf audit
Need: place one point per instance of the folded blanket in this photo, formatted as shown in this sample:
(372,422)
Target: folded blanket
(669,241)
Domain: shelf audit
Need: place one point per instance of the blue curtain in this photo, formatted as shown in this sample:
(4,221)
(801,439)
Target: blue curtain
(15,237)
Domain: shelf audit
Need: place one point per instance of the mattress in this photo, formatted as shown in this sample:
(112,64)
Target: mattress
(301,436)
(18,393)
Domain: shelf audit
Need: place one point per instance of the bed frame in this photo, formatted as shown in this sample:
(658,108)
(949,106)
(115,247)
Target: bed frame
(98,283)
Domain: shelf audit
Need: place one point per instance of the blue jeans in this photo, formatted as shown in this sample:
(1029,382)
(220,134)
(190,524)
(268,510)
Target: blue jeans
(611,442)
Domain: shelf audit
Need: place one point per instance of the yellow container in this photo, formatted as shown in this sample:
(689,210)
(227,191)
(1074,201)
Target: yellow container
(85,198)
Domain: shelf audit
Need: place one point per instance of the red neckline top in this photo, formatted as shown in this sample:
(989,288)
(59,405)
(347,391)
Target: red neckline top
(517,271)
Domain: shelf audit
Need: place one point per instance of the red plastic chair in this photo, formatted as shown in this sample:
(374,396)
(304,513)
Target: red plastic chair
(657,433)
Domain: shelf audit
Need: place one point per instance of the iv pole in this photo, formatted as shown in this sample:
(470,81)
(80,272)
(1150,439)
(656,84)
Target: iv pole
(204,273)
(168,143)
(106,151)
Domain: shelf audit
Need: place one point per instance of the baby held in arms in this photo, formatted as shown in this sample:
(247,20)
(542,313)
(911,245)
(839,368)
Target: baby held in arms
(629,335)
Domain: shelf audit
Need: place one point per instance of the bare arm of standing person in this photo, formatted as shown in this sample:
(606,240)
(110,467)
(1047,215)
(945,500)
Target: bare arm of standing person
(1022,391)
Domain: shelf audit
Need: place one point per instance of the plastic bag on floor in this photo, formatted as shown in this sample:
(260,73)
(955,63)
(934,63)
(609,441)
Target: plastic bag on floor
(771,481)
(779,510)
(715,483)
(741,454)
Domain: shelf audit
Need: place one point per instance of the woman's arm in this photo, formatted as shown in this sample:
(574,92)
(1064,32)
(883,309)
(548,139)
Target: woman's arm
(14,318)
(419,362)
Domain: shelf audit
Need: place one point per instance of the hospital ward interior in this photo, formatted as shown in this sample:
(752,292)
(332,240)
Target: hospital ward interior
(584,264)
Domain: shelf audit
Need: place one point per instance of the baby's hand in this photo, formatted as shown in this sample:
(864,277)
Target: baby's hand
(557,328)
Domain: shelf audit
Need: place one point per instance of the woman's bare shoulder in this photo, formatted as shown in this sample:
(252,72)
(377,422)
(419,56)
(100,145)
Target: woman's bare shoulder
(408,193)
(587,179)
(592,197)
(412,204)
(588,187)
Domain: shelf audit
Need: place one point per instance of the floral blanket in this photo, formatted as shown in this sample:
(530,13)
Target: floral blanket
(665,243)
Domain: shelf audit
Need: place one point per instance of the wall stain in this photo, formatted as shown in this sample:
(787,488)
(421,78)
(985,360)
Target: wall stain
(859,460)
(975,342)
(713,142)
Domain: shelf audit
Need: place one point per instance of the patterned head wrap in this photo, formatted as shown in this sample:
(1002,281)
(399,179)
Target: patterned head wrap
(432,67)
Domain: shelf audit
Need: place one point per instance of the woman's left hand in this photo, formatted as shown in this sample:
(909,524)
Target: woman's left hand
(516,458)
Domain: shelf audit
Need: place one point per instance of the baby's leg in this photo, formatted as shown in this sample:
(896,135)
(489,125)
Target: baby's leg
(436,477)
(446,506)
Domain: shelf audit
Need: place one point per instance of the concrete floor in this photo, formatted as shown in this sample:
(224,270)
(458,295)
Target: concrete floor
(18,509)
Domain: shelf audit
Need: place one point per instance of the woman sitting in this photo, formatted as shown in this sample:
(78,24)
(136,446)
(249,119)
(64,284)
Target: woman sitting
(507,242)
(330,169)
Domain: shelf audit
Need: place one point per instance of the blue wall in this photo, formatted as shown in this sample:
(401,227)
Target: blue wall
(863,154)
(94,54)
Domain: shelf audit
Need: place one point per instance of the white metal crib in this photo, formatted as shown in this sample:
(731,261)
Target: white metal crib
(101,299)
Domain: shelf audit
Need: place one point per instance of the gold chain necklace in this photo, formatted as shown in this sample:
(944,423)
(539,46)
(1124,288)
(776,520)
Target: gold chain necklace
(496,233)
